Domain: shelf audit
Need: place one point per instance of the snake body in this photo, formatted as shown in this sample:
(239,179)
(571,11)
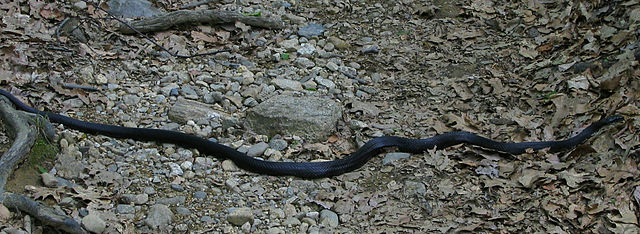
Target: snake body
(313,169)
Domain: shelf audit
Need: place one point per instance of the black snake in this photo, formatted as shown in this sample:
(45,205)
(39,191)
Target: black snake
(314,169)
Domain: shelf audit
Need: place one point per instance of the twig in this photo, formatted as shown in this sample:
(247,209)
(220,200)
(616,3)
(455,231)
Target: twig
(75,86)
(60,27)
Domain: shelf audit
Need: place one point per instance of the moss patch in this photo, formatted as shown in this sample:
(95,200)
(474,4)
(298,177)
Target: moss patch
(41,159)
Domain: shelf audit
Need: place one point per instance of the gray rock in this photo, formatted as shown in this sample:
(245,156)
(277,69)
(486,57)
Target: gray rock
(74,102)
(339,43)
(325,82)
(49,180)
(257,149)
(228,165)
(132,8)
(159,216)
(149,190)
(93,223)
(183,210)
(177,200)
(277,144)
(177,187)
(328,218)
(135,199)
(125,209)
(306,49)
(413,188)
(239,216)
(131,100)
(80,5)
(68,202)
(371,49)
(186,165)
(275,230)
(287,84)
(199,195)
(250,102)
(332,66)
(313,119)
(202,163)
(185,110)
(206,219)
(311,30)
(175,169)
(188,91)
(289,45)
(391,157)
(70,164)
(291,221)
(303,62)
(236,100)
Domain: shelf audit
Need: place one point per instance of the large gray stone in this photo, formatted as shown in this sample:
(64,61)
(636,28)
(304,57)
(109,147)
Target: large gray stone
(314,119)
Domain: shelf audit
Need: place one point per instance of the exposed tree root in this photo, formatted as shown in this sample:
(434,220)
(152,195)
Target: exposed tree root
(24,130)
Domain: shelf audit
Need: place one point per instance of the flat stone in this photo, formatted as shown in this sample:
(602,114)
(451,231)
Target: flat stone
(292,221)
(177,200)
(339,43)
(306,49)
(391,157)
(303,62)
(159,216)
(257,149)
(4,213)
(278,144)
(93,223)
(240,216)
(228,165)
(49,180)
(290,45)
(199,195)
(329,218)
(311,30)
(135,199)
(287,84)
(314,119)
(185,110)
(125,209)
(70,164)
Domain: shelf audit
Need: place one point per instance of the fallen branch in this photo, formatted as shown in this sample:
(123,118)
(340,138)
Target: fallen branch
(164,21)
(24,130)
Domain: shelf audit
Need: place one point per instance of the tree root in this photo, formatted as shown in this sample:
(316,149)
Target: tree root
(164,21)
(24,135)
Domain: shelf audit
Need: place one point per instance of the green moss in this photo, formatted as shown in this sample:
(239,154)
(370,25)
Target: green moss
(43,154)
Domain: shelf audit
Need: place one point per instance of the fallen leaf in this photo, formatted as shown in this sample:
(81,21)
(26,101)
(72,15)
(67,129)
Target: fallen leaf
(199,36)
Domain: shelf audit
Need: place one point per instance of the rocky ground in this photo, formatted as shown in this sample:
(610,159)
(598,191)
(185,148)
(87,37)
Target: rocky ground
(516,71)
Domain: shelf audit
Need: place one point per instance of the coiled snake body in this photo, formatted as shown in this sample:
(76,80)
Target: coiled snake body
(313,169)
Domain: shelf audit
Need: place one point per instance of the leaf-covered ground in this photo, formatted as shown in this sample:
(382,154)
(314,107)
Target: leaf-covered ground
(511,71)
